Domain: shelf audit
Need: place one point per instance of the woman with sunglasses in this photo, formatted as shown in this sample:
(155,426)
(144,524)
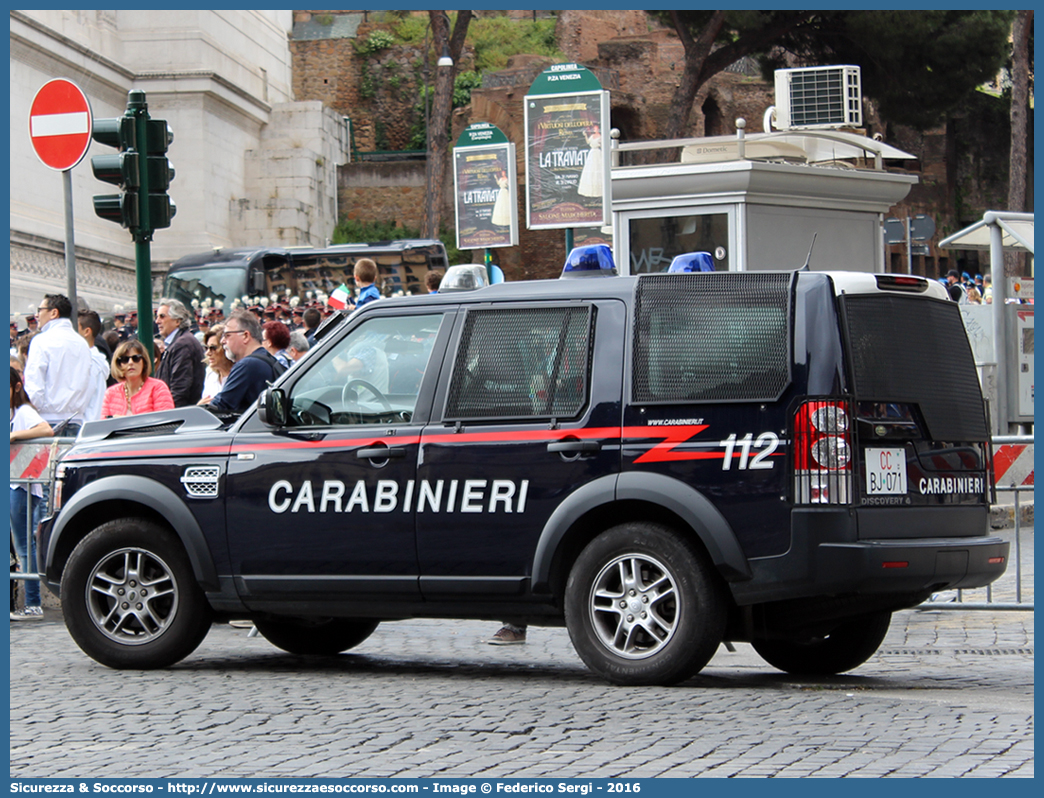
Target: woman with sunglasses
(135,391)
(218,364)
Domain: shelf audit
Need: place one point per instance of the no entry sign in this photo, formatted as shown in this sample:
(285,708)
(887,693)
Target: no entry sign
(60,124)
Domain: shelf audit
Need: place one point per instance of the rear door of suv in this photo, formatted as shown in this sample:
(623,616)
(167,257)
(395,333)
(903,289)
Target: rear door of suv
(529,413)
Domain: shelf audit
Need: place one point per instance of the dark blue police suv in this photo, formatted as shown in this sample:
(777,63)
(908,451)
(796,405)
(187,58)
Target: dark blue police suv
(660,463)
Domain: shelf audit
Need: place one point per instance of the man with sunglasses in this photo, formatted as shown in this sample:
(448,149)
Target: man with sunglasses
(181,366)
(254,368)
(58,368)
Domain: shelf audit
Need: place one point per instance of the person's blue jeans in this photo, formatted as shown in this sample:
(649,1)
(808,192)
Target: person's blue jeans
(25,544)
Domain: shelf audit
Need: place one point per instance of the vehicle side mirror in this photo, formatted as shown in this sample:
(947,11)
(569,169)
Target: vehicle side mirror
(257,282)
(272,409)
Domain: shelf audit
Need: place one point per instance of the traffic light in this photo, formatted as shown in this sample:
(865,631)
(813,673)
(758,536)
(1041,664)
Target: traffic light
(158,137)
(121,170)
(140,168)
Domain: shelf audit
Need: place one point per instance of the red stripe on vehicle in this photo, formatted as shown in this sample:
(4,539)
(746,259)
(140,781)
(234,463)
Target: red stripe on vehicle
(664,451)
(193,450)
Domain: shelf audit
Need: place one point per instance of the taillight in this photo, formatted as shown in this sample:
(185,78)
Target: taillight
(894,282)
(823,452)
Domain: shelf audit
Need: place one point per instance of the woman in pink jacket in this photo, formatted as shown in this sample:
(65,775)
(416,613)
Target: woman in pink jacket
(135,391)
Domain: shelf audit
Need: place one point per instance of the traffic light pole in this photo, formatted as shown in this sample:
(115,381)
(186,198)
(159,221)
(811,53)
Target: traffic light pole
(143,272)
(137,105)
(143,173)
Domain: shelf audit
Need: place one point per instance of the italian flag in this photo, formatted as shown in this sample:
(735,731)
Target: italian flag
(339,298)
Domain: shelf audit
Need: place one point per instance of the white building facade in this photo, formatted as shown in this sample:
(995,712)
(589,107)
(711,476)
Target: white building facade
(251,166)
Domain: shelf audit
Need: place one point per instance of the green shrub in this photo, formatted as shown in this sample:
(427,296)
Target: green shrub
(377,40)
(462,86)
(353,231)
(410,29)
(496,39)
(367,86)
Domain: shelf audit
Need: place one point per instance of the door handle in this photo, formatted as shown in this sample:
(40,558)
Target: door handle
(380,453)
(574,447)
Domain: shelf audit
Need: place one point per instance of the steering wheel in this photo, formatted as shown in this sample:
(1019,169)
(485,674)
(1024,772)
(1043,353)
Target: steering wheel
(347,391)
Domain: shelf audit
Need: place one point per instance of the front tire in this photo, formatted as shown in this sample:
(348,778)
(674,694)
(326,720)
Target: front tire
(315,637)
(848,646)
(644,606)
(130,598)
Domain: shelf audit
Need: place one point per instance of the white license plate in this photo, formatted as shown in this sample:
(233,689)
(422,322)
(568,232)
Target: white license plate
(885,471)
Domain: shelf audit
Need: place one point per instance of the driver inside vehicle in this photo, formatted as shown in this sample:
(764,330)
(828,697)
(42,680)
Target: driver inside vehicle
(365,360)
(352,383)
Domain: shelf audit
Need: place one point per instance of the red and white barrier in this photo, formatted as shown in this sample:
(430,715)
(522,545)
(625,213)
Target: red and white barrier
(31,460)
(1013,465)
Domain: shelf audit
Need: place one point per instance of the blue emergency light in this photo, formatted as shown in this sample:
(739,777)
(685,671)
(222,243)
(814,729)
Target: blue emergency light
(593,260)
(692,262)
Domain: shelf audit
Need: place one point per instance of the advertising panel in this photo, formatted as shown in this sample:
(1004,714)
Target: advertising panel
(567,169)
(486,188)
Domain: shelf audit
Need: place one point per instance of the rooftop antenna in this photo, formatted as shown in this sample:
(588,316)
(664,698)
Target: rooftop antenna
(809,258)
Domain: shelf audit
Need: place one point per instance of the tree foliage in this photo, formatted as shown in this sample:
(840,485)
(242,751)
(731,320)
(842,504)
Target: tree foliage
(714,40)
(917,65)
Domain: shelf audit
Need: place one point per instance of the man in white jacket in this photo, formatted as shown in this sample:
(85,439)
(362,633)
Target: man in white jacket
(58,368)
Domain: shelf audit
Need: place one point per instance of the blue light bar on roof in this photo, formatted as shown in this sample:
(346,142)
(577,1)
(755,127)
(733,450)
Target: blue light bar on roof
(594,260)
(692,262)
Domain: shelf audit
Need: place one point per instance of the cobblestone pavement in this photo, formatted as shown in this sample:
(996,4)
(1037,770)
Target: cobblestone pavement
(949,694)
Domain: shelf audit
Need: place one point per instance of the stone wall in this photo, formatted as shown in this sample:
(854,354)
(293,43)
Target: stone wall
(383,191)
(579,32)
(291,178)
(380,92)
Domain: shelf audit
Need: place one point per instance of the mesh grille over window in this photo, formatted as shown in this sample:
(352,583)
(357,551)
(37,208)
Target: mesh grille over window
(521,363)
(907,349)
(712,337)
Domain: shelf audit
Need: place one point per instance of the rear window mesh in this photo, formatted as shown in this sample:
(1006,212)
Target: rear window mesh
(712,337)
(521,363)
(915,350)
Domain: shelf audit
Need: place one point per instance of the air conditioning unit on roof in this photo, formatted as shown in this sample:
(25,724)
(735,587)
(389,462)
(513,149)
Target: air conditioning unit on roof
(818,97)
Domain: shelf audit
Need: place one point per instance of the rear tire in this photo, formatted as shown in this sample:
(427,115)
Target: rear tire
(850,645)
(315,636)
(130,598)
(644,606)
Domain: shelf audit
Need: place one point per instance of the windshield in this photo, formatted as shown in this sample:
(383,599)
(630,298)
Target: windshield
(225,283)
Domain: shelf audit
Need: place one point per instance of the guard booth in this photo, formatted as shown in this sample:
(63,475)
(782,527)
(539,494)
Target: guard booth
(1001,334)
(756,202)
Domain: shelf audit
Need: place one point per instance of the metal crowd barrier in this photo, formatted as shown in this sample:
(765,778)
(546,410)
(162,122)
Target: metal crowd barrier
(33,462)
(1017,483)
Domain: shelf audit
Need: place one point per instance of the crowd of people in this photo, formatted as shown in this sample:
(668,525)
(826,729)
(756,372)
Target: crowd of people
(968,290)
(63,377)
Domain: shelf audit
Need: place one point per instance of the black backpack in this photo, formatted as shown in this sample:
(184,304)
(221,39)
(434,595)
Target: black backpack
(277,367)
